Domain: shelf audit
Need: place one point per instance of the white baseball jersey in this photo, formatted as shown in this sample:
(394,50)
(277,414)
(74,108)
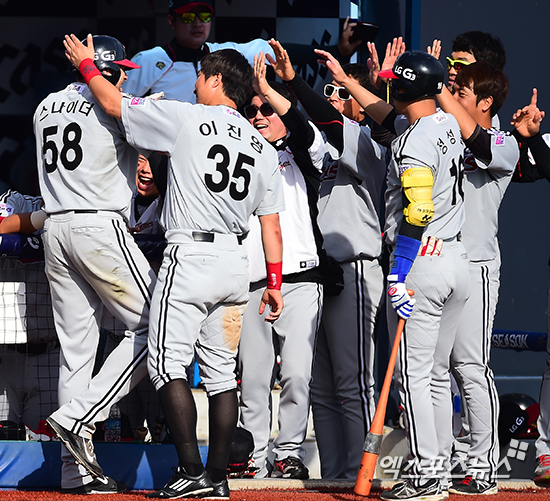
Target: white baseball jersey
(483,190)
(227,172)
(350,193)
(296,227)
(445,162)
(165,69)
(85,160)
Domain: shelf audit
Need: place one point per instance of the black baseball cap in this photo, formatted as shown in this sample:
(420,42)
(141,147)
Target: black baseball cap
(183,6)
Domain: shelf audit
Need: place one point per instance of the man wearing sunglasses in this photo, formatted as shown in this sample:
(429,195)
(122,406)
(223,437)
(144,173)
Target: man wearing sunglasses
(474,46)
(300,147)
(342,389)
(173,68)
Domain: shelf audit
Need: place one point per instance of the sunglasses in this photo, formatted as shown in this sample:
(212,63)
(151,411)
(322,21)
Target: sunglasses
(341,92)
(251,110)
(456,64)
(189,17)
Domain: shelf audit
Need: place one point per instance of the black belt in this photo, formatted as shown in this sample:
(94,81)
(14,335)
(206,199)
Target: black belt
(207,236)
(28,348)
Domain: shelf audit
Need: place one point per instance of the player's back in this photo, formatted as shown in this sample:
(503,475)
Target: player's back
(84,161)
(221,170)
(435,142)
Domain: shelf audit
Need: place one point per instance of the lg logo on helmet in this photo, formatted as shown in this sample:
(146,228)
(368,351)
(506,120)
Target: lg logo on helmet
(405,73)
(105,56)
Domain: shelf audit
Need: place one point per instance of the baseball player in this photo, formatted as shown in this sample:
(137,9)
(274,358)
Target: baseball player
(424,217)
(342,389)
(473,46)
(173,68)
(300,148)
(221,171)
(480,89)
(28,370)
(86,169)
(534,164)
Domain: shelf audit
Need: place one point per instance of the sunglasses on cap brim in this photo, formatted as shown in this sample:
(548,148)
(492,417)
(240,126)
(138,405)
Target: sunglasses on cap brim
(251,110)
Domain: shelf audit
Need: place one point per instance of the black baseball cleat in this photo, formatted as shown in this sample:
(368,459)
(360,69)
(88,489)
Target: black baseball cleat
(473,487)
(81,448)
(290,467)
(182,485)
(100,485)
(221,490)
(406,491)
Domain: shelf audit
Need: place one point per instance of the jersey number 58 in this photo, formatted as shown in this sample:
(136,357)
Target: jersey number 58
(71,151)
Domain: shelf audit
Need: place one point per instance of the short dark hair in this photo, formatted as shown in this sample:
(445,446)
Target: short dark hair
(361,73)
(237,74)
(485,80)
(483,46)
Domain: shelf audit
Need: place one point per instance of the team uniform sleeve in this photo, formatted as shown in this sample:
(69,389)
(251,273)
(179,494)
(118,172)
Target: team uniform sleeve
(141,81)
(322,113)
(273,200)
(154,125)
(494,150)
(304,136)
(534,159)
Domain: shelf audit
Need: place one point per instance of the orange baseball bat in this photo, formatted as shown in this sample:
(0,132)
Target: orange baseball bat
(373,440)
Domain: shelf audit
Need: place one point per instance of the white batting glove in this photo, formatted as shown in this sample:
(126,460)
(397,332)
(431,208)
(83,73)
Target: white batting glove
(401,302)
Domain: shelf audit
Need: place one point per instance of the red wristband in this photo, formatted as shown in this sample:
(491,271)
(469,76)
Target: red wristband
(88,70)
(274,275)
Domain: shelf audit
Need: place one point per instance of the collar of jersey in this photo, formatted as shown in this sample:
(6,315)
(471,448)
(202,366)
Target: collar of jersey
(178,53)
(280,144)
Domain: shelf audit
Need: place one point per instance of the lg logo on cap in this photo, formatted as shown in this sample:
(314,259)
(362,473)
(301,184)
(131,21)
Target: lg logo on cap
(405,73)
(108,55)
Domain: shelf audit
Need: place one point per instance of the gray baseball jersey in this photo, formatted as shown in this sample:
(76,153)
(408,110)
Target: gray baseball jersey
(446,166)
(484,188)
(441,285)
(343,371)
(86,168)
(220,172)
(73,175)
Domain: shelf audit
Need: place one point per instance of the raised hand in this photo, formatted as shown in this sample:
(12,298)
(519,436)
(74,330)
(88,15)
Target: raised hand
(76,51)
(332,64)
(346,47)
(373,64)
(434,49)
(393,51)
(260,83)
(281,64)
(527,119)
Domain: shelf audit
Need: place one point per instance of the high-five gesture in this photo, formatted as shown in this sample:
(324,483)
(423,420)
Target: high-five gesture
(282,65)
